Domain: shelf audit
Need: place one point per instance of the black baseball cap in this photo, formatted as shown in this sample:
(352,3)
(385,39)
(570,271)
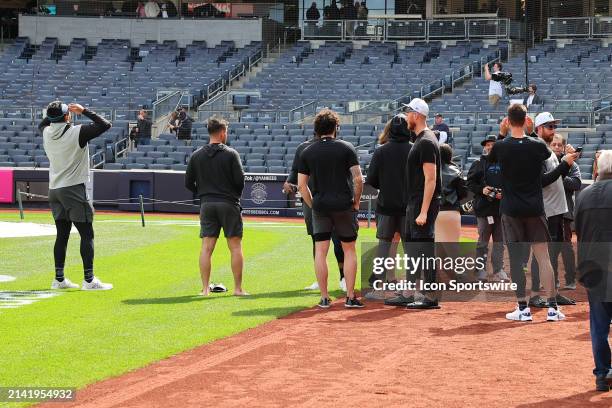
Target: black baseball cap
(490,138)
(399,126)
(56,111)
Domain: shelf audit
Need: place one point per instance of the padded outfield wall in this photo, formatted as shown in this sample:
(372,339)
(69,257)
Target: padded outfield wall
(184,31)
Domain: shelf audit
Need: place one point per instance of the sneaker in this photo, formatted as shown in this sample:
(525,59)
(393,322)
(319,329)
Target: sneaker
(520,315)
(353,303)
(564,300)
(500,276)
(538,301)
(570,286)
(601,384)
(554,315)
(96,284)
(375,295)
(399,300)
(343,285)
(325,303)
(426,303)
(482,276)
(314,286)
(65,284)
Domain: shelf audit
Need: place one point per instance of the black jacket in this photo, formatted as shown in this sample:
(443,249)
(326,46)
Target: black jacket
(144,128)
(453,188)
(387,174)
(571,183)
(594,231)
(312,13)
(215,174)
(483,173)
(185,124)
(536,100)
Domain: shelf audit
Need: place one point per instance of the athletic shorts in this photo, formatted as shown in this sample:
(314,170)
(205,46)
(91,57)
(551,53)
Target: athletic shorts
(71,204)
(525,229)
(415,232)
(214,216)
(344,224)
(307,218)
(388,225)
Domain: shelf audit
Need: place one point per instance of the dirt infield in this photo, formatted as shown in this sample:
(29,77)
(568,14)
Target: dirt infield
(462,355)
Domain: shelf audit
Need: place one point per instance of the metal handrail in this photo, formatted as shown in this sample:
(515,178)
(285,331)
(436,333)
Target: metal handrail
(126,145)
(102,161)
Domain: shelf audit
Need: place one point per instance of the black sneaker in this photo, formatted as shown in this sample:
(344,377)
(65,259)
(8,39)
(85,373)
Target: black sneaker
(426,303)
(353,303)
(538,301)
(325,303)
(601,384)
(399,300)
(564,300)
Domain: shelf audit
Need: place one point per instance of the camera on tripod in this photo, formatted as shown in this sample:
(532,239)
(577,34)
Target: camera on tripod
(506,79)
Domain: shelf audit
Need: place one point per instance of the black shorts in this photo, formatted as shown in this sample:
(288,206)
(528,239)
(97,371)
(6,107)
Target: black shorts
(525,229)
(344,224)
(214,216)
(307,218)
(388,225)
(71,204)
(414,232)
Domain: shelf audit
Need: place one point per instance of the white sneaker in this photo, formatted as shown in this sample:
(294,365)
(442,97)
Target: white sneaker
(554,315)
(520,315)
(570,286)
(314,286)
(65,284)
(96,284)
(343,285)
(500,276)
(482,275)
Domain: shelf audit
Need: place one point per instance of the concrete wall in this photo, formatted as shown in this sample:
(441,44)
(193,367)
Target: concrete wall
(94,29)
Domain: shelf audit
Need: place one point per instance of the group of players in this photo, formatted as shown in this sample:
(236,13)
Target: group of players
(326,170)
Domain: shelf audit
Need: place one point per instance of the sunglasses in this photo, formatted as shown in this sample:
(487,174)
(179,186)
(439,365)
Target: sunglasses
(550,126)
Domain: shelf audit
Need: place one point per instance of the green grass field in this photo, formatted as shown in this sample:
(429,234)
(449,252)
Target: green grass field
(78,338)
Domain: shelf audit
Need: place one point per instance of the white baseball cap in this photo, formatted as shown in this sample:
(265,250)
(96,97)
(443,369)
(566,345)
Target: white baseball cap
(544,117)
(419,106)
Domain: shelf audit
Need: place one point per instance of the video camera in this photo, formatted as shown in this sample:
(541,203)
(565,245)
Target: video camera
(506,79)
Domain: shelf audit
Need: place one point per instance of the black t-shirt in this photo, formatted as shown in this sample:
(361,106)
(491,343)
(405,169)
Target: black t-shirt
(328,162)
(297,159)
(424,150)
(521,162)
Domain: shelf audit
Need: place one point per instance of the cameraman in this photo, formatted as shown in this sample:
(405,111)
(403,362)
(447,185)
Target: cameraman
(484,180)
(496,90)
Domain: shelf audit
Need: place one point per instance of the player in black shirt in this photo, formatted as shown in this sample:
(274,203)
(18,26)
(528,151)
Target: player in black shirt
(289,187)
(334,198)
(521,159)
(423,187)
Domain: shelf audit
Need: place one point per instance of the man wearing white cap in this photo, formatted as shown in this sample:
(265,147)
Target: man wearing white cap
(423,188)
(555,204)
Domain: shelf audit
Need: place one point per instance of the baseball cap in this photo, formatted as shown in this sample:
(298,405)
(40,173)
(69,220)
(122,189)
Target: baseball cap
(419,106)
(56,111)
(489,138)
(399,126)
(544,117)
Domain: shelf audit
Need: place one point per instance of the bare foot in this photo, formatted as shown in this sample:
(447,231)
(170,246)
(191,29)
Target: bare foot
(204,292)
(240,293)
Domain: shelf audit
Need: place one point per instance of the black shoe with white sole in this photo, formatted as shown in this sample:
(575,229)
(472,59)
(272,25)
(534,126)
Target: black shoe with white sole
(325,303)
(353,303)
(426,303)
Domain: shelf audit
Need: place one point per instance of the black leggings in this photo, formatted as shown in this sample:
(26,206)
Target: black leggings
(87,244)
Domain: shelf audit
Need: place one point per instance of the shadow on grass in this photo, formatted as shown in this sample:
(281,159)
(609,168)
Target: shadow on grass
(197,298)
(168,300)
(269,311)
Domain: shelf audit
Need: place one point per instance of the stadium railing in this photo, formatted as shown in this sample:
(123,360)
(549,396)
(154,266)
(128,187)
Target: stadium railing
(382,29)
(580,27)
